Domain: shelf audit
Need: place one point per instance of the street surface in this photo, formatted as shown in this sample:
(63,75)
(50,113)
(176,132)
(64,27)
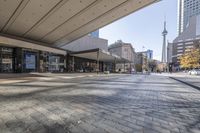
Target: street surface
(99,104)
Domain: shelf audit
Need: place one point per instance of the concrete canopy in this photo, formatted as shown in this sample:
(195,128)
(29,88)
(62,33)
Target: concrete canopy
(58,22)
(6,41)
(103,56)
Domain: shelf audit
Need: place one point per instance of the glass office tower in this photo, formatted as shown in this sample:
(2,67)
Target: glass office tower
(186,9)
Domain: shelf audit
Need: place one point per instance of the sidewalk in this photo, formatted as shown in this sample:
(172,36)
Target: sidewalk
(191,81)
(176,75)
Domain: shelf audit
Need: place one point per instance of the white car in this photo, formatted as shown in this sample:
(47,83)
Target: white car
(194,72)
(189,72)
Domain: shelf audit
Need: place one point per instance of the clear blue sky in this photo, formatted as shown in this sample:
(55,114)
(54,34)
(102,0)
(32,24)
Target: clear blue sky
(144,27)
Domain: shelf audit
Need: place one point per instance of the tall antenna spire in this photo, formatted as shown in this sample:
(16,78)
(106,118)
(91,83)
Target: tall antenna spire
(164,33)
(165,23)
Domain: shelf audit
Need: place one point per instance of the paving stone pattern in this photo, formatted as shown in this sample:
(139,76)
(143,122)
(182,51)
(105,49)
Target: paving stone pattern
(113,104)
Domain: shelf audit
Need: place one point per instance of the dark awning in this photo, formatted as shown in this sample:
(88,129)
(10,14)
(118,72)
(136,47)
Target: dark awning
(104,56)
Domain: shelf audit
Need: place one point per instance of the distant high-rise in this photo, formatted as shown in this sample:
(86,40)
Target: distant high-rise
(149,54)
(164,33)
(95,34)
(186,9)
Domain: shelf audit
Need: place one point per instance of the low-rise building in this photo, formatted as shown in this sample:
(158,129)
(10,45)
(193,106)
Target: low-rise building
(141,61)
(19,55)
(90,54)
(126,51)
(143,58)
(86,43)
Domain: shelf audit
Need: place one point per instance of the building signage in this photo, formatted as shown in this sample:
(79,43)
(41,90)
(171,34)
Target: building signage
(30,61)
(6,49)
(7,61)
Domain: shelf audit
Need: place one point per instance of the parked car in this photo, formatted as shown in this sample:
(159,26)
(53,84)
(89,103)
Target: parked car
(194,72)
(185,71)
(189,72)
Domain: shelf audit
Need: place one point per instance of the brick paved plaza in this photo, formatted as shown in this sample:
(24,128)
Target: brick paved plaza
(100,104)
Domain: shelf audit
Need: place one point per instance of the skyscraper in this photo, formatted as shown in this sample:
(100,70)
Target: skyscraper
(95,34)
(186,9)
(149,54)
(164,33)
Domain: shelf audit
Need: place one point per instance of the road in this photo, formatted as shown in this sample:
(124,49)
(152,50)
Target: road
(101,104)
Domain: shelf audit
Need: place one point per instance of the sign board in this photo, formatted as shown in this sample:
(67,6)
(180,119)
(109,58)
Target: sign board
(30,60)
(7,61)
(7,50)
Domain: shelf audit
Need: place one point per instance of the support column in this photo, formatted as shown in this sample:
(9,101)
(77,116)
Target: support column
(65,63)
(114,65)
(103,65)
(124,66)
(73,63)
(38,61)
(97,62)
(18,60)
(1,60)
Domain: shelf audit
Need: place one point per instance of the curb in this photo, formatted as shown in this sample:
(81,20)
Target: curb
(193,86)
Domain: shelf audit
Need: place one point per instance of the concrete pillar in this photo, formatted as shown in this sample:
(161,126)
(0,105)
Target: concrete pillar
(38,61)
(18,60)
(97,62)
(114,65)
(73,64)
(124,65)
(65,63)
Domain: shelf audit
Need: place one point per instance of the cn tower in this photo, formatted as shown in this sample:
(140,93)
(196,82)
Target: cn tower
(164,33)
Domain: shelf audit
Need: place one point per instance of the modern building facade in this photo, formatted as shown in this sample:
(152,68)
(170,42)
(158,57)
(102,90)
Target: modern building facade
(34,32)
(126,51)
(17,56)
(86,44)
(186,9)
(186,40)
(169,52)
(149,54)
(177,49)
(58,22)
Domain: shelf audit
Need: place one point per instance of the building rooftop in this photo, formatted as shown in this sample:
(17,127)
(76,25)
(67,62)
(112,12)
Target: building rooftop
(119,43)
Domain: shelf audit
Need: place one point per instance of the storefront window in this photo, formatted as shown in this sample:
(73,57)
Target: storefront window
(30,61)
(56,63)
(84,65)
(6,59)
